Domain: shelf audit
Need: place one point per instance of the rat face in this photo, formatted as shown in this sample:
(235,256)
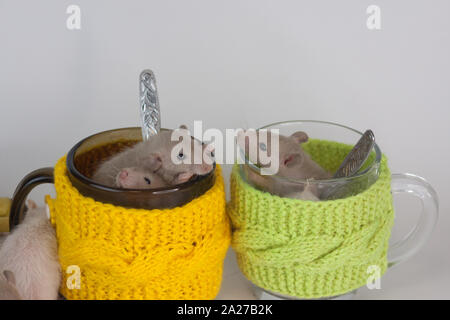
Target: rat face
(138,178)
(269,149)
(178,162)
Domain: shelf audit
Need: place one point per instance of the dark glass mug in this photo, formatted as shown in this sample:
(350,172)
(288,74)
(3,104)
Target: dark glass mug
(83,159)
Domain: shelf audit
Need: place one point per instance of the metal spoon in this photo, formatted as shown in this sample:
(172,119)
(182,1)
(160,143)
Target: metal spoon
(350,166)
(149,103)
(357,156)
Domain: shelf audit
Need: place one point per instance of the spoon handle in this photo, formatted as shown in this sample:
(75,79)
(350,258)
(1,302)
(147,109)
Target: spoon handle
(149,103)
(350,166)
(357,156)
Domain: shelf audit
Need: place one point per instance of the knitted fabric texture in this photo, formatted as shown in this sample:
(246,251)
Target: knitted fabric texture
(127,253)
(311,249)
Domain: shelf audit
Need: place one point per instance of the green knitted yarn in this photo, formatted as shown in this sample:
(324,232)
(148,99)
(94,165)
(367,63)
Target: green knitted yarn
(312,249)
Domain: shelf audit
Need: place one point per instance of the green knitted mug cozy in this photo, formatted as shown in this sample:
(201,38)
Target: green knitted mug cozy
(311,249)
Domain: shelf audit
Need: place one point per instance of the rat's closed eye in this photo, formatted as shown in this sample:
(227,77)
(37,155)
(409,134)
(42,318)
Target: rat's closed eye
(147,180)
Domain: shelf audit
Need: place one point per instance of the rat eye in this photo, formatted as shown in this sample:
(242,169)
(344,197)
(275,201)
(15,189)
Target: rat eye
(147,180)
(181,155)
(212,154)
(263,146)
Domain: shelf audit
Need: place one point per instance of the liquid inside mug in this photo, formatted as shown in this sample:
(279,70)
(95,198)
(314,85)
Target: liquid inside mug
(83,159)
(329,144)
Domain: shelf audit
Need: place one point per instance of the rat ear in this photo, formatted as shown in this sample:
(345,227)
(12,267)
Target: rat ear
(183,177)
(209,150)
(31,204)
(9,275)
(183,126)
(154,161)
(290,159)
(300,136)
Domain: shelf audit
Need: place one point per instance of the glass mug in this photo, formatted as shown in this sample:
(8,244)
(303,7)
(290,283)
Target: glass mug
(344,187)
(82,160)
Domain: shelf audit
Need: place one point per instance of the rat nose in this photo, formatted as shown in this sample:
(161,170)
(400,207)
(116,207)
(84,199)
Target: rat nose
(205,168)
(123,174)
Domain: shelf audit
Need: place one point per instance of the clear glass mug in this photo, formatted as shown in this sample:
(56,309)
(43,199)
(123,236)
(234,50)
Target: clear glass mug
(400,183)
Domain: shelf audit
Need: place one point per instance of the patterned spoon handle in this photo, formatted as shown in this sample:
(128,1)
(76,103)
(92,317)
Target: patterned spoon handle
(149,103)
(357,156)
(350,166)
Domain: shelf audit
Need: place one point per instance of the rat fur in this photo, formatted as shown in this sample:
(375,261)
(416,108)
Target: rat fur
(155,155)
(8,290)
(294,164)
(30,252)
(139,178)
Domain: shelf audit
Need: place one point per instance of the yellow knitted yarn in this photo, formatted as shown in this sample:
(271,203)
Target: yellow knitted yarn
(312,249)
(140,254)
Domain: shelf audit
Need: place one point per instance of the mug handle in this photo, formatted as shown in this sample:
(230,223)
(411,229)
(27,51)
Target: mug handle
(31,180)
(415,240)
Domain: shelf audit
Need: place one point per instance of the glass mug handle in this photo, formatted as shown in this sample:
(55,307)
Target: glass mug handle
(414,241)
(31,180)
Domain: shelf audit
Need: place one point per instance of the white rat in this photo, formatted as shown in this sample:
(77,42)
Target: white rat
(139,178)
(8,290)
(155,155)
(30,252)
(294,164)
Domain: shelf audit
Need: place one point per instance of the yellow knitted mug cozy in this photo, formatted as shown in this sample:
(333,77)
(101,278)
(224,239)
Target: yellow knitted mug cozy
(312,249)
(125,253)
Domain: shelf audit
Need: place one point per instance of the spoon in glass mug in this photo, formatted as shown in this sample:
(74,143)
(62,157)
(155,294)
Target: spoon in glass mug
(351,165)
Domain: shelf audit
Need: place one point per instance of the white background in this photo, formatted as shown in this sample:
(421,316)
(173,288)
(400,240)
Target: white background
(233,64)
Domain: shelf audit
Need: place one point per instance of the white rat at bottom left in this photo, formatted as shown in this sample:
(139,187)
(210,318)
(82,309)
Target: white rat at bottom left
(30,253)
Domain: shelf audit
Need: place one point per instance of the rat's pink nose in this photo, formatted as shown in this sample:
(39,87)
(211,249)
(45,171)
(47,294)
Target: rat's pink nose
(206,168)
(123,174)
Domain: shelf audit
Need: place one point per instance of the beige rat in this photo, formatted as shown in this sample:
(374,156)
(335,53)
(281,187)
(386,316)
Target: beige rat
(294,164)
(139,178)
(8,290)
(30,252)
(155,155)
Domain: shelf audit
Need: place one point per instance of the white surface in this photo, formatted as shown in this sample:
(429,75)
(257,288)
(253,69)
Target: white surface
(233,64)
